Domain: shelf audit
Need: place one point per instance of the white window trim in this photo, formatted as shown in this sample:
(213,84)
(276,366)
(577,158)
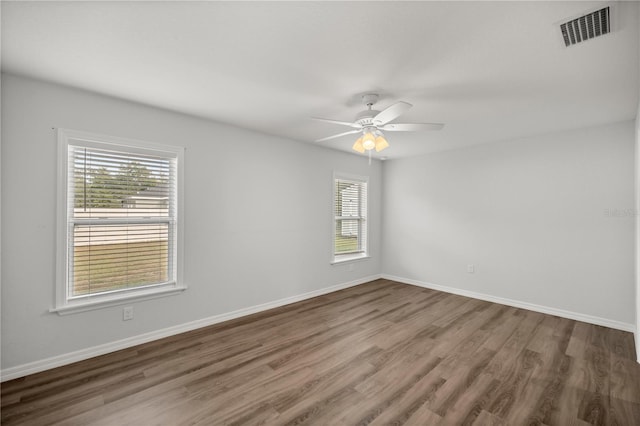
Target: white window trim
(62,304)
(345,258)
(350,257)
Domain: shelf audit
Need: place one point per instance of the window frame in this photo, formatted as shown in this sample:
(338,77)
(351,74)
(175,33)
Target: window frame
(364,252)
(64,302)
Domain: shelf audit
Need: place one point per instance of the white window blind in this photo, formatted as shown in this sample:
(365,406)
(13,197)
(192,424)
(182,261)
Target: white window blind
(121,219)
(350,212)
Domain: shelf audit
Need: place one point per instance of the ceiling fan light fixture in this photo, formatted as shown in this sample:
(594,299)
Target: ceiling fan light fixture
(368,141)
(381,143)
(358,146)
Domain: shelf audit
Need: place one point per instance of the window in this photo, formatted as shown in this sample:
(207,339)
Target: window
(350,218)
(119,210)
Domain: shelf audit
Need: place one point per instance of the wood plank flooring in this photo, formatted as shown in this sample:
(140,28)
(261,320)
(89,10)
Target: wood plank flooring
(380,353)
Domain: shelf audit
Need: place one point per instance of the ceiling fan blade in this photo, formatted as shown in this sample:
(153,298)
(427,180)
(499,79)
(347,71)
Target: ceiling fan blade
(343,123)
(390,113)
(350,132)
(411,127)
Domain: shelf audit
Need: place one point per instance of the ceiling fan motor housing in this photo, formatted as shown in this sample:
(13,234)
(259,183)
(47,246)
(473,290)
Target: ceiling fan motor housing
(365,118)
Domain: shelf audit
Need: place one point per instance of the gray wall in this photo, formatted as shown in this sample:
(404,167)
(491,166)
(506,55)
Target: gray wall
(531,215)
(637,247)
(258,221)
(637,253)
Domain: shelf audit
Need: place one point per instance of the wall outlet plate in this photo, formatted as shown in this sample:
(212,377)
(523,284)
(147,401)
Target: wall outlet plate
(127,313)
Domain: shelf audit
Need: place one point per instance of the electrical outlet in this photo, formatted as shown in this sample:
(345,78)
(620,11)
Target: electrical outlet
(127,313)
(351,267)
(471,268)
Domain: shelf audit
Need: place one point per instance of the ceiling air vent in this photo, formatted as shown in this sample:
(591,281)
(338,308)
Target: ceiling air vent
(586,27)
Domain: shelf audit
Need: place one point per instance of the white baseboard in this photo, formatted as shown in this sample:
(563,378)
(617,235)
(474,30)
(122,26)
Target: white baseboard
(83,354)
(618,325)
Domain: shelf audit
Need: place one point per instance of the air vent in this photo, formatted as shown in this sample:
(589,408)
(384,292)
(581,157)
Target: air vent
(586,27)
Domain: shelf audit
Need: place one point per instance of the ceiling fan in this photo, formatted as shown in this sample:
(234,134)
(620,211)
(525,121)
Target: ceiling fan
(371,124)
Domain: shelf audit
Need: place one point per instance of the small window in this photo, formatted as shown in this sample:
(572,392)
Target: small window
(119,233)
(350,218)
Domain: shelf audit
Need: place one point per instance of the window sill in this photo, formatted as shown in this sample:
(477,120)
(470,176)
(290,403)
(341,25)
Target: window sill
(107,301)
(350,258)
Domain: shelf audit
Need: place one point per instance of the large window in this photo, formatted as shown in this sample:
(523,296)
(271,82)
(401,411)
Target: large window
(119,228)
(350,213)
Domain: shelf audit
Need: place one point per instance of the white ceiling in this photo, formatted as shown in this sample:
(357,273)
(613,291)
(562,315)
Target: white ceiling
(489,70)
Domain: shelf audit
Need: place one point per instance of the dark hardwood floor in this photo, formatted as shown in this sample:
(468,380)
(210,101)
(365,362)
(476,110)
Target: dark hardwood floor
(380,353)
